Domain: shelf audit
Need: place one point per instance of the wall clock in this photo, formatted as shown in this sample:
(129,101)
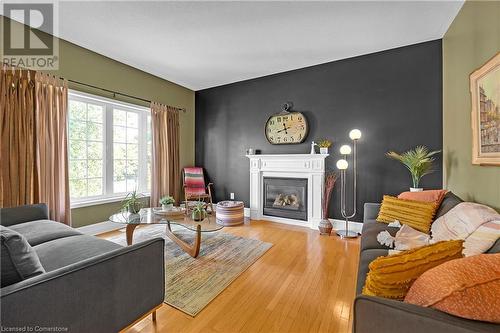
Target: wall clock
(286,127)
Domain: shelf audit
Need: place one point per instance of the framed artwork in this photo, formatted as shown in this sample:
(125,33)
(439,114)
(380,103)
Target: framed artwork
(485,93)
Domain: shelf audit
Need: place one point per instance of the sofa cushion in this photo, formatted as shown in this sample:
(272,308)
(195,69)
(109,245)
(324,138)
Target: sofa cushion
(68,250)
(450,200)
(365,258)
(18,259)
(467,287)
(40,231)
(371,229)
(21,214)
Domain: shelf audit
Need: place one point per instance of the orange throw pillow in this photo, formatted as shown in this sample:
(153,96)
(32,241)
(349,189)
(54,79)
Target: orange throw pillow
(436,196)
(468,288)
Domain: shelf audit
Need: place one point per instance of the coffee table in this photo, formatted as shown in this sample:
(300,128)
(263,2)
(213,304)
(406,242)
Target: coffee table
(147,217)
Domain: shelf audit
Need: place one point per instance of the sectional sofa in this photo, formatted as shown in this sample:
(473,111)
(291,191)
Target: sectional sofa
(375,314)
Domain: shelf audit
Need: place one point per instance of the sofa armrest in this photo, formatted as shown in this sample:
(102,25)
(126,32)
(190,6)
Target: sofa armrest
(100,294)
(375,314)
(371,211)
(21,214)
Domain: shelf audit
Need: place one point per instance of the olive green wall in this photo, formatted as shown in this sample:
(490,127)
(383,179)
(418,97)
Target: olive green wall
(80,64)
(471,40)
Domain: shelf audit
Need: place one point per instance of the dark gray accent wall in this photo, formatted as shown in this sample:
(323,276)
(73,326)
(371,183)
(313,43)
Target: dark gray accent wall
(394,97)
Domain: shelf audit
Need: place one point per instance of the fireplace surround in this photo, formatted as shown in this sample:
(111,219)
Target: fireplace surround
(309,169)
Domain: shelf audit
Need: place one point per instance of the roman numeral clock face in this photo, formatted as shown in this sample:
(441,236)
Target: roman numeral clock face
(286,128)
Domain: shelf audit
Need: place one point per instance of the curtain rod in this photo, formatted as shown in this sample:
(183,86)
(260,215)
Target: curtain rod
(118,93)
(103,89)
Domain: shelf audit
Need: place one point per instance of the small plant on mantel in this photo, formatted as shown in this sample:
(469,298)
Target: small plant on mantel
(132,203)
(323,145)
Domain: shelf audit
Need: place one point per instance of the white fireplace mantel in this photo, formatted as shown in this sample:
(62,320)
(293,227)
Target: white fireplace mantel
(310,166)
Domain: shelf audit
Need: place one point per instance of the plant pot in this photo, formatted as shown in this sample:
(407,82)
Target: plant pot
(323,151)
(134,209)
(198,216)
(416,189)
(325,227)
(167,207)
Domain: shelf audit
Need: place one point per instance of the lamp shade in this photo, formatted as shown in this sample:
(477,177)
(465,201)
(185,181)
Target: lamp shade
(345,150)
(355,134)
(342,164)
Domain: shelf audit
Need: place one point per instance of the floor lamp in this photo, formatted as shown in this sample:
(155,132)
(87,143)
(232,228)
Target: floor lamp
(342,165)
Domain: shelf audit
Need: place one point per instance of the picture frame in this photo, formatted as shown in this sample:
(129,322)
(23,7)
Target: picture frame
(485,113)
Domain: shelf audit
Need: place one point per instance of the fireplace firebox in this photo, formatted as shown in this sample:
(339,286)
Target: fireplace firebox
(285,197)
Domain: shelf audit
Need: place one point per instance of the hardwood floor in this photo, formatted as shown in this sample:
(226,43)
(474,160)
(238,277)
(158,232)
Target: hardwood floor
(304,283)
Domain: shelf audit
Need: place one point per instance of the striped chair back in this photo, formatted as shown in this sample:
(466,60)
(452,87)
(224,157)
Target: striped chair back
(194,181)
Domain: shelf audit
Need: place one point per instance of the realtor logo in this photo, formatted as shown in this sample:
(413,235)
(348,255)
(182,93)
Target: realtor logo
(28,31)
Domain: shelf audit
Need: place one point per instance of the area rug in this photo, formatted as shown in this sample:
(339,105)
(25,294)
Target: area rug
(192,283)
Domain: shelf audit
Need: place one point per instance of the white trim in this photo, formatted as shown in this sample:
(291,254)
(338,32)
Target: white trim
(102,200)
(353,226)
(100,228)
(105,100)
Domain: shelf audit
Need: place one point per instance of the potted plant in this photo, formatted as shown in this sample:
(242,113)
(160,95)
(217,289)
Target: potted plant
(132,203)
(198,213)
(167,203)
(323,145)
(418,161)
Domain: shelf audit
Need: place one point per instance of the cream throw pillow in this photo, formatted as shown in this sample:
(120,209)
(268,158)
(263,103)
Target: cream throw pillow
(477,224)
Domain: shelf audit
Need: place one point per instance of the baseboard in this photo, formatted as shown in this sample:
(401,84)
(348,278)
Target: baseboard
(340,225)
(100,228)
(246,212)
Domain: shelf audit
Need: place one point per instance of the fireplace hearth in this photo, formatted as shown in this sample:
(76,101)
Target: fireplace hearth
(285,197)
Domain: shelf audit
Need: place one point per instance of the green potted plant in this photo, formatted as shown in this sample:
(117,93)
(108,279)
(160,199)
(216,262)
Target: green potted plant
(418,161)
(167,203)
(199,213)
(132,203)
(323,145)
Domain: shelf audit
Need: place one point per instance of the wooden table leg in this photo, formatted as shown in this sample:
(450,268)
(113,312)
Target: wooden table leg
(192,250)
(153,315)
(130,232)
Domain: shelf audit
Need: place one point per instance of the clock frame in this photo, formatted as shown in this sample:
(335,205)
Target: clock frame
(286,128)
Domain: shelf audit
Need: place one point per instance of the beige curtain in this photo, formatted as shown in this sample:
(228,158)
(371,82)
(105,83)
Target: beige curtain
(18,175)
(165,169)
(51,113)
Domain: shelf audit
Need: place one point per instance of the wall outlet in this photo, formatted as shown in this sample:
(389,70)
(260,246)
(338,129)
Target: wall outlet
(232,195)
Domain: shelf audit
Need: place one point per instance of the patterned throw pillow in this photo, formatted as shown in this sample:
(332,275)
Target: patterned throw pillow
(416,214)
(468,288)
(392,276)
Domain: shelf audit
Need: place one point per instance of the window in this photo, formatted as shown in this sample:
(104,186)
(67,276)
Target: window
(109,149)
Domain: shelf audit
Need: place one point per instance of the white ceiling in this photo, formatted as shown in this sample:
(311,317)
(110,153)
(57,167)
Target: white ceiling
(205,44)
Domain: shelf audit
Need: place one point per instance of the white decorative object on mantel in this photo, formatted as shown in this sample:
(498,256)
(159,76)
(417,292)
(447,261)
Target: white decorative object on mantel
(309,166)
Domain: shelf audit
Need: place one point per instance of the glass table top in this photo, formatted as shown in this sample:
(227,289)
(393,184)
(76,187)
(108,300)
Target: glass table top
(147,216)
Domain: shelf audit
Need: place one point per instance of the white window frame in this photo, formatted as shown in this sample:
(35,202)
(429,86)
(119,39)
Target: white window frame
(108,106)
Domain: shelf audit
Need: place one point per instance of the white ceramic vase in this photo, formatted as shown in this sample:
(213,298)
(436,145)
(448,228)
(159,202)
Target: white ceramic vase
(323,151)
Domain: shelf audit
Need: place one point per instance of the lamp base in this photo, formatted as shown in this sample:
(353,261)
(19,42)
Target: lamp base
(347,234)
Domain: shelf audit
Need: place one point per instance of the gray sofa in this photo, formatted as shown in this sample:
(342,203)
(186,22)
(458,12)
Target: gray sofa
(375,314)
(89,284)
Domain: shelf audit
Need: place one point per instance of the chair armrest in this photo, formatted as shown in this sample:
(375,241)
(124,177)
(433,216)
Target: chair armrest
(375,314)
(210,184)
(21,214)
(100,294)
(371,211)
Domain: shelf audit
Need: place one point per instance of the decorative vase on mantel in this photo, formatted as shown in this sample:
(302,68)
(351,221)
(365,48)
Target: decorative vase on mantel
(325,226)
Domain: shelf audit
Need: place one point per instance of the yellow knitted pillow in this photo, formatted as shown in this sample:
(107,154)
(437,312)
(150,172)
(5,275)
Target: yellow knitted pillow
(392,276)
(416,214)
